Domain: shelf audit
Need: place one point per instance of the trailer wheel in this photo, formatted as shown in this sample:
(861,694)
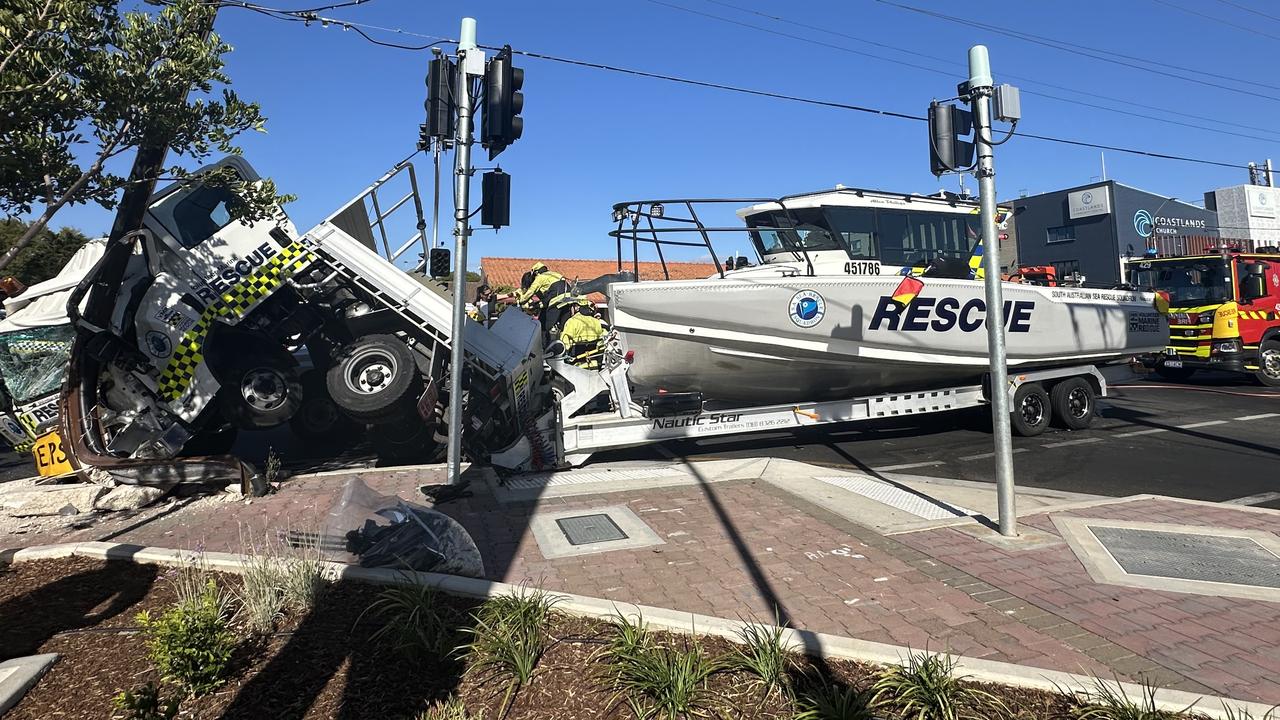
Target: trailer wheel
(1269,363)
(374,379)
(1073,402)
(319,419)
(1031,410)
(260,391)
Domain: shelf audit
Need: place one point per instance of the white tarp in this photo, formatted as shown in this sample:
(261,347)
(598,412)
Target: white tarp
(45,303)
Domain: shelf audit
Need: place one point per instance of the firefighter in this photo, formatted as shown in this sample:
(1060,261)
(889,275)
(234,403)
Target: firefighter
(542,292)
(583,334)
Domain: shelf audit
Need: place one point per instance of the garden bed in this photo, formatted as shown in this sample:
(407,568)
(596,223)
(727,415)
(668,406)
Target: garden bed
(371,652)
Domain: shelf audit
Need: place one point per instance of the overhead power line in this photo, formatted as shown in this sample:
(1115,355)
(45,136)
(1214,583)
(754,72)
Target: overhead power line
(1214,18)
(1109,56)
(437,40)
(1146,115)
(1248,9)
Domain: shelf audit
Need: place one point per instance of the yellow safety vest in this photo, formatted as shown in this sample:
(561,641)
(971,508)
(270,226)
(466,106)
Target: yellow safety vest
(581,337)
(538,287)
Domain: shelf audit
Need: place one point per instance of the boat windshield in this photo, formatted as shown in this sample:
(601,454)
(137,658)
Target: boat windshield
(33,362)
(895,237)
(1189,281)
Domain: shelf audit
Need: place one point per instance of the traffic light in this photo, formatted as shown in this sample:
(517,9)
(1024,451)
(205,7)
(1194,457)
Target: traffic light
(503,101)
(438,263)
(439,105)
(947,152)
(495,191)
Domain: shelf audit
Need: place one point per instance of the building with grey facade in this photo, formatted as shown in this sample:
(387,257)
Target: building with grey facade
(1090,228)
(1247,213)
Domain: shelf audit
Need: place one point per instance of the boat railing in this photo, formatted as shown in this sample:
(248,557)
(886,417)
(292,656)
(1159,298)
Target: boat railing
(676,223)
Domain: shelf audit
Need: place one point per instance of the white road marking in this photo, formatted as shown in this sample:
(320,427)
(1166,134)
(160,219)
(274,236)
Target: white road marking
(1065,443)
(1254,499)
(907,466)
(1206,423)
(1151,431)
(1247,418)
(990,454)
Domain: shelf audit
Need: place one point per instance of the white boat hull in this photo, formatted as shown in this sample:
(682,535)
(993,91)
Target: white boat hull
(810,338)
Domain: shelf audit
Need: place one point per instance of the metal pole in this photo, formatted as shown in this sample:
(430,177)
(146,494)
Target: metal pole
(1270,178)
(980,85)
(461,231)
(435,212)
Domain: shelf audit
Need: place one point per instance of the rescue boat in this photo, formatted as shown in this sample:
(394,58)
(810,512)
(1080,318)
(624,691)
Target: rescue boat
(856,292)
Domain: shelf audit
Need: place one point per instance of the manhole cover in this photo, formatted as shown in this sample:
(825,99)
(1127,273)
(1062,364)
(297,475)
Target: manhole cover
(588,529)
(1190,556)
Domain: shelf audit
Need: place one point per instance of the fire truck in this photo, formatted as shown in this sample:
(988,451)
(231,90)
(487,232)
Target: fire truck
(1224,311)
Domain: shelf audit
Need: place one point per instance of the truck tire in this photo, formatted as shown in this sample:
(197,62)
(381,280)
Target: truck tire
(1175,374)
(402,442)
(1073,401)
(1269,363)
(260,390)
(374,379)
(1031,410)
(319,419)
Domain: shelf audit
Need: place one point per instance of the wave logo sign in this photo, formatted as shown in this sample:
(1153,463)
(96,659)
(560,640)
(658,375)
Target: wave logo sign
(807,308)
(1086,198)
(1143,223)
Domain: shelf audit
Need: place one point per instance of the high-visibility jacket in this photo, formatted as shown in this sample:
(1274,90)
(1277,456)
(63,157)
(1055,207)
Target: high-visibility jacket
(581,336)
(538,288)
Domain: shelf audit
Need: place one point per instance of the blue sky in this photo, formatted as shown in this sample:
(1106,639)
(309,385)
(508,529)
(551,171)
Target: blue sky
(341,110)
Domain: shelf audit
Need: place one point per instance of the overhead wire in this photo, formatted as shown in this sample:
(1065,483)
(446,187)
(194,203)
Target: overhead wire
(1144,116)
(438,40)
(1109,56)
(1248,9)
(1215,18)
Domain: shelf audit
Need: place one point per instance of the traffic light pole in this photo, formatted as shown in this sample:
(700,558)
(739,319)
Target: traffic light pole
(461,232)
(980,90)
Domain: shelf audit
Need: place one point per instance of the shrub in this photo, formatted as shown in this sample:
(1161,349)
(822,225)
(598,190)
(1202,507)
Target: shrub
(414,622)
(628,636)
(926,688)
(451,709)
(304,576)
(664,682)
(1234,713)
(191,643)
(764,654)
(260,594)
(829,701)
(510,637)
(1108,701)
(145,703)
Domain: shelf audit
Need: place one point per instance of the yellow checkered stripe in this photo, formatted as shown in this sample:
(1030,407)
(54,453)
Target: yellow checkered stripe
(1258,315)
(975,262)
(188,353)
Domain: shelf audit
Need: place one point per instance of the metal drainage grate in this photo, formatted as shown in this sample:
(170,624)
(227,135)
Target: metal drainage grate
(588,529)
(1191,556)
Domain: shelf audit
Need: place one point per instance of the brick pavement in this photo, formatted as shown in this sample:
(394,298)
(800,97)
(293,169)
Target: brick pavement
(748,549)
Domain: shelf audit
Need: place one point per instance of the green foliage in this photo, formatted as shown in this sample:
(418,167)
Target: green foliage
(451,709)
(926,688)
(304,577)
(1231,712)
(145,703)
(52,251)
(764,654)
(83,83)
(510,637)
(275,578)
(1108,701)
(191,642)
(830,701)
(663,682)
(628,636)
(414,621)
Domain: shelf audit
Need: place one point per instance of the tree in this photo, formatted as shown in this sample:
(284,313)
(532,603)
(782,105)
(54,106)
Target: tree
(50,252)
(82,84)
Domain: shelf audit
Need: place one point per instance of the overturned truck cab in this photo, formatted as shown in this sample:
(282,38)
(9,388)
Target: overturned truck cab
(197,325)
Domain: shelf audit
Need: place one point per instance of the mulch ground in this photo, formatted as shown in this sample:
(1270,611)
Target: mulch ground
(324,665)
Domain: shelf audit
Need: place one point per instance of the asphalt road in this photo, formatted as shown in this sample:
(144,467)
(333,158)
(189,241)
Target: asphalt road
(1216,438)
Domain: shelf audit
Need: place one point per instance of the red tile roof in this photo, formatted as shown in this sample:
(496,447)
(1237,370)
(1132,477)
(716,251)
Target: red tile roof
(507,271)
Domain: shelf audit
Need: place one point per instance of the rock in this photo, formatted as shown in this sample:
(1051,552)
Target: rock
(70,499)
(128,497)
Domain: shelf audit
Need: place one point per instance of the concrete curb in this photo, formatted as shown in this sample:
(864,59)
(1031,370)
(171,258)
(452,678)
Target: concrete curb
(19,675)
(814,643)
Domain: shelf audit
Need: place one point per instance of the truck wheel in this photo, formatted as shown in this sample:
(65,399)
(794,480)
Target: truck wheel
(375,378)
(1073,401)
(1175,374)
(260,391)
(318,418)
(1269,363)
(1031,410)
(402,442)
